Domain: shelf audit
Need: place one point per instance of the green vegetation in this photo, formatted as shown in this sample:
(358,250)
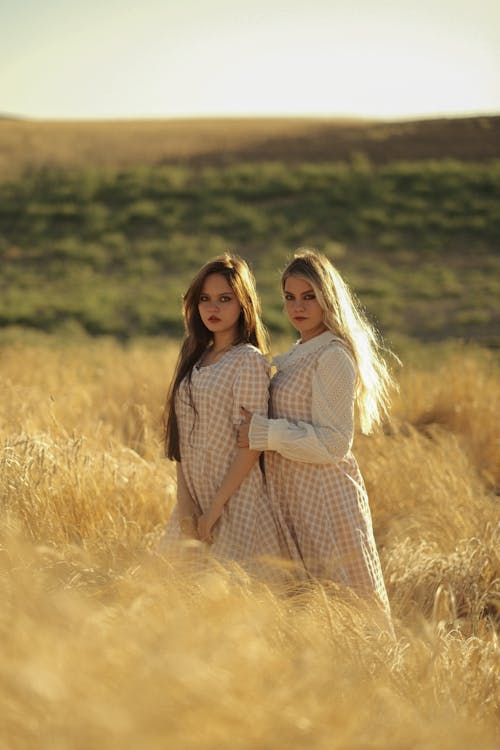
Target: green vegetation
(112,251)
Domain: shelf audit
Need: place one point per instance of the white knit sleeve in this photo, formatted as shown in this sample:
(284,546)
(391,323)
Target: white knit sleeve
(329,438)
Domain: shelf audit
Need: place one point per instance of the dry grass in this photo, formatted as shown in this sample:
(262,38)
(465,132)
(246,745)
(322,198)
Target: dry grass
(106,646)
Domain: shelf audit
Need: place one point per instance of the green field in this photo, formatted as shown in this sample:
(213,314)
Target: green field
(110,251)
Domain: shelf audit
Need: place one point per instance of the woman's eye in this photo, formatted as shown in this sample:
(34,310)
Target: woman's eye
(288,297)
(225,299)
(203,298)
(309,296)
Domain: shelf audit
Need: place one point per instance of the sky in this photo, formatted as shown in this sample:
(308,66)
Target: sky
(61,59)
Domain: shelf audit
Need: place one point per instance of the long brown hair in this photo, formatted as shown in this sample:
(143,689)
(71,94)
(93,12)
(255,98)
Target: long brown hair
(343,315)
(197,338)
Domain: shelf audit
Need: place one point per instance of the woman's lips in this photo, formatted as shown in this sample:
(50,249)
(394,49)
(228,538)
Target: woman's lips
(213,319)
(299,318)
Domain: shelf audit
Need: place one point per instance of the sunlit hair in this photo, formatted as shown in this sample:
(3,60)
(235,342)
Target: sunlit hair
(198,337)
(344,317)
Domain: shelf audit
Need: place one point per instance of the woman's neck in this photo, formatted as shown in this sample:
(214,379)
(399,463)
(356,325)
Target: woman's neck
(220,345)
(223,341)
(312,334)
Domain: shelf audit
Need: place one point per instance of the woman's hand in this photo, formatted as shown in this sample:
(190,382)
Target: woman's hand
(189,526)
(206,522)
(244,428)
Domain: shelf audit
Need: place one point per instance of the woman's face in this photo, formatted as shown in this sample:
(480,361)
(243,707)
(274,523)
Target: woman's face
(302,308)
(218,306)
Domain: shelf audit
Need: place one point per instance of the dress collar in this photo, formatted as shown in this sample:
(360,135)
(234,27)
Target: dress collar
(298,350)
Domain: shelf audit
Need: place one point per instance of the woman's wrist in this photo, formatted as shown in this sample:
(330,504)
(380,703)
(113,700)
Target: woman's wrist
(258,433)
(215,511)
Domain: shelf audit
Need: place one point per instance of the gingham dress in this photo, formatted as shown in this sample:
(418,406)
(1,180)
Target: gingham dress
(312,477)
(246,528)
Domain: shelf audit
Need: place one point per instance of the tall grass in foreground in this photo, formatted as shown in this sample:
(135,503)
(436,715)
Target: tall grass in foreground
(104,645)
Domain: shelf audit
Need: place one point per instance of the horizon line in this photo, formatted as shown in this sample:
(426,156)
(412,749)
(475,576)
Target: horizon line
(469,114)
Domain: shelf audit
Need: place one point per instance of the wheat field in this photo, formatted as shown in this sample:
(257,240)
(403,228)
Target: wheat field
(105,645)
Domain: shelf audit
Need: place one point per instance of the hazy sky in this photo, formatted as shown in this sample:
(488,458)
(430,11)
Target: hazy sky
(122,58)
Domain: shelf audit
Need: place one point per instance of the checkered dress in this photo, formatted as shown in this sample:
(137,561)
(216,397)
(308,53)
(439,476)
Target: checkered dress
(246,528)
(324,505)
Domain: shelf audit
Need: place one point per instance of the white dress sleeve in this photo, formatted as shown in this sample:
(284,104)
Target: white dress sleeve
(329,438)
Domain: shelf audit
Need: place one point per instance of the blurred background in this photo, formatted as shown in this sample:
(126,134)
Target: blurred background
(138,141)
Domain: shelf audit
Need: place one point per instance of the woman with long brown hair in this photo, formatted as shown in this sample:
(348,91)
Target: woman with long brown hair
(221,496)
(313,479)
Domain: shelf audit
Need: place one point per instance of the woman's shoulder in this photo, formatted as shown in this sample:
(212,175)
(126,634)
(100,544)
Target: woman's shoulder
(248,354)
(336,354)
(246,350)
(312,351)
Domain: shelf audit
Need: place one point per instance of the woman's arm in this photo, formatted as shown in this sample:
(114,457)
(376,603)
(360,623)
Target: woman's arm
(244,460)
(250,389)
(329,438)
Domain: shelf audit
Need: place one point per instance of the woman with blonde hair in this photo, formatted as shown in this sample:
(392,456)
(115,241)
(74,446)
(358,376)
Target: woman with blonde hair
(312,477)
(221,496)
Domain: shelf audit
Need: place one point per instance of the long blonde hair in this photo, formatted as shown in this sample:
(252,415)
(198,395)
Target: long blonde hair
(251,330)
(344,317)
